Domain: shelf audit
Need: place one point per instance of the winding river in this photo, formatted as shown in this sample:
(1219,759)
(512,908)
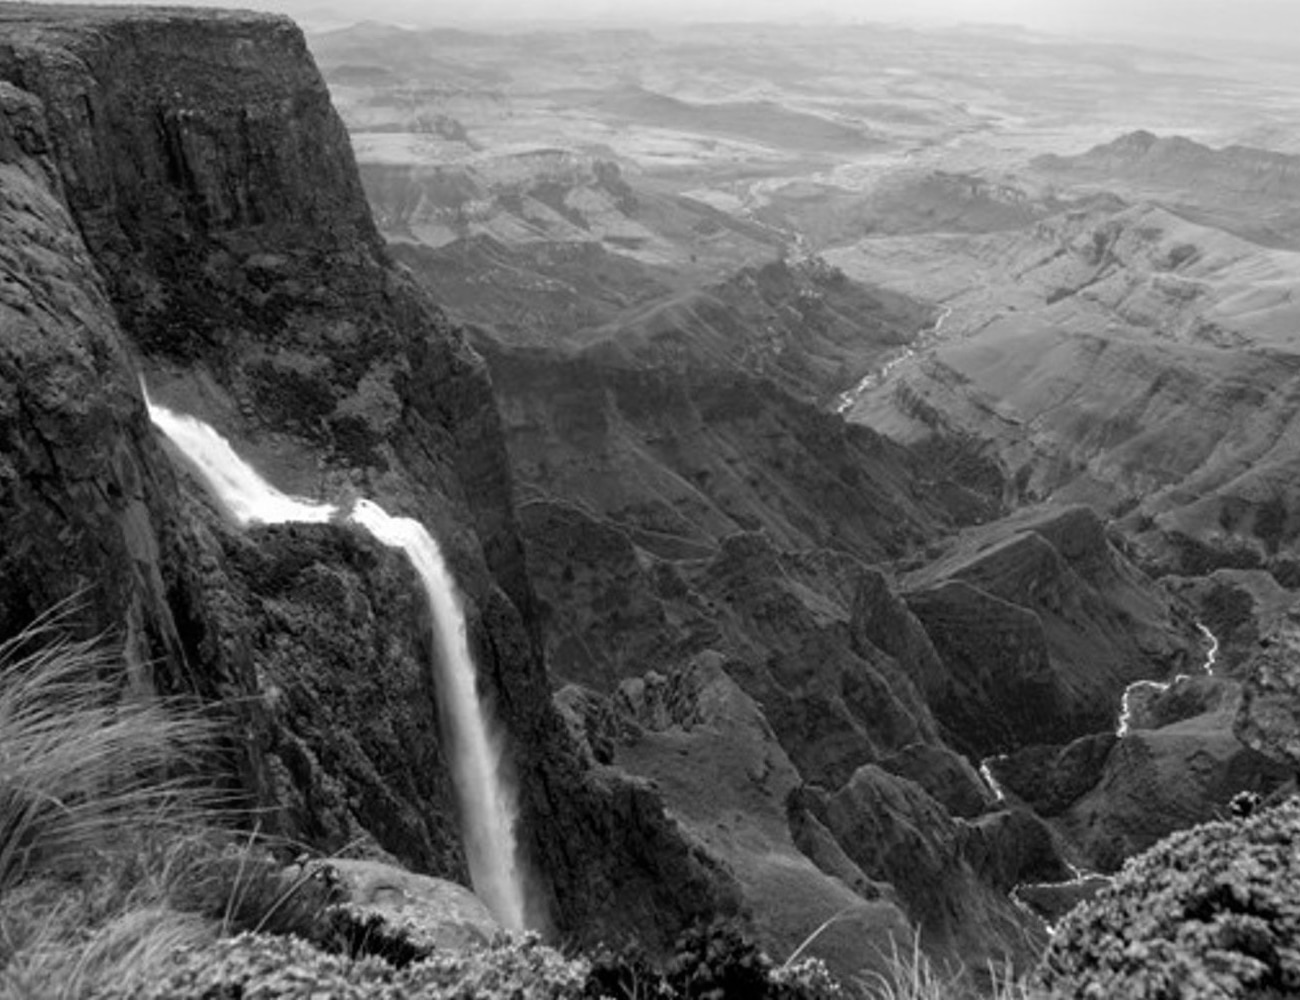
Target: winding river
(924,340)
(1082,877)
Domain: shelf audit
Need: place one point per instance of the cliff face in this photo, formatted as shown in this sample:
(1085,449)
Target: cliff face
(84,494)
(178,197)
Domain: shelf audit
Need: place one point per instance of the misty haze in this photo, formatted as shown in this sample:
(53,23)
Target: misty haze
(778,500)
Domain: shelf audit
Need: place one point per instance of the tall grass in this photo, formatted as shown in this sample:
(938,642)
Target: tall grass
(94,811)
(80,763)
(910,974)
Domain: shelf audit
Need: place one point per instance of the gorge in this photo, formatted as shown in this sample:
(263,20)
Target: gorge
(781,544)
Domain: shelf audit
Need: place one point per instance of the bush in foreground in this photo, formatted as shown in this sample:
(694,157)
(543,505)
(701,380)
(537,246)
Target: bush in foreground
(711,961)
(1207,914)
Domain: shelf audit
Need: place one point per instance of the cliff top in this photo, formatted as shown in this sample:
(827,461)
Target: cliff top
(75,16)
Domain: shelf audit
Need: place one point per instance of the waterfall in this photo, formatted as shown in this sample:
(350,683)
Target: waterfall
(487,802)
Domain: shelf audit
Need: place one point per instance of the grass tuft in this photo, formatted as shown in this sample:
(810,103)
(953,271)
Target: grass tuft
(910,974)
(79,762)
(100,827)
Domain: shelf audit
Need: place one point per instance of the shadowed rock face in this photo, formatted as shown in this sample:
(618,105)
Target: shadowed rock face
(1161,780)
(1050,778)
(183,198)
(951,877)
(1041,624)
(86,504)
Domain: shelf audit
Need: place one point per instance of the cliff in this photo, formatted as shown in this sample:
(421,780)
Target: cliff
(180,201)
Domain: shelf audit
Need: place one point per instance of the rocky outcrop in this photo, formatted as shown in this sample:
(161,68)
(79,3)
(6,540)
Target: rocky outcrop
(1162,780)
(948,875)
(344,714)
(707,747)
(796,632)
(1010,847)
(947,776)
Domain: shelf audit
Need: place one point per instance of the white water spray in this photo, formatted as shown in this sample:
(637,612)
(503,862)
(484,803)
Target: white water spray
(488,806)
(487,802)
(248,497)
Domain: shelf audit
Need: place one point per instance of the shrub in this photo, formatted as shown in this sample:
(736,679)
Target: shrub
(266,967)
(716,961)
(1209,913)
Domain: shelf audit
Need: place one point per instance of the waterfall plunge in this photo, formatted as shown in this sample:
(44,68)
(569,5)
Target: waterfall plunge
(487,803)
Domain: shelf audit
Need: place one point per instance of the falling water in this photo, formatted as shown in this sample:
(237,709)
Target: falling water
(487,803)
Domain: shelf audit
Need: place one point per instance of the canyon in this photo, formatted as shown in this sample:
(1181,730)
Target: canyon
(823,472)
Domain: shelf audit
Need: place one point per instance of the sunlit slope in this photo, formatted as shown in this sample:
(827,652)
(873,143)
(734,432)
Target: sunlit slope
(1252,192)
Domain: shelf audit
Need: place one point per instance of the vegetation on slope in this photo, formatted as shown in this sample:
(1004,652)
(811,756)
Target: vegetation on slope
(1211,912)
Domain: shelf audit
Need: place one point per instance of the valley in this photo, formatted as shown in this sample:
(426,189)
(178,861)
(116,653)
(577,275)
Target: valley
(884,407)
(831,484)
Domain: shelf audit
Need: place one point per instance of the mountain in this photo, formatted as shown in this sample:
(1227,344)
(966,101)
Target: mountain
(1253,193)
(1077,353)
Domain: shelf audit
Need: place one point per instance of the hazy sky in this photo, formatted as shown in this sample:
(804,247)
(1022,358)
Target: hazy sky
(1271,20)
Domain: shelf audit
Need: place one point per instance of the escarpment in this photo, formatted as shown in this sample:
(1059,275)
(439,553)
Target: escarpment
(181,203)
(782,641)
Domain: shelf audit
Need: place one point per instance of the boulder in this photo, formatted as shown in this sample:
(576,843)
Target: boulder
(431,913)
